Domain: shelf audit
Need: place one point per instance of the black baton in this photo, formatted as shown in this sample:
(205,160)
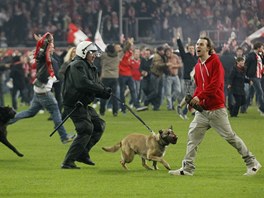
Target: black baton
(77,105)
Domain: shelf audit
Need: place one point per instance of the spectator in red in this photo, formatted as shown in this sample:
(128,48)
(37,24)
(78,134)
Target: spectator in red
(125,76)
(136,74)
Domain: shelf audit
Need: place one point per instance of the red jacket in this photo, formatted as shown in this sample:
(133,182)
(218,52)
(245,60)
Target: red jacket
(124,65)
(135,64)
(209,79)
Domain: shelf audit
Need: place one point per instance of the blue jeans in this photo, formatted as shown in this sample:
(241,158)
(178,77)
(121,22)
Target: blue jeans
(172,85)
(113,84)
(40,101)
(259,92)
(127,81)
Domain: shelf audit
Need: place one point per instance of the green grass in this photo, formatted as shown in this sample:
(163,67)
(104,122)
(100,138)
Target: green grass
(219,170)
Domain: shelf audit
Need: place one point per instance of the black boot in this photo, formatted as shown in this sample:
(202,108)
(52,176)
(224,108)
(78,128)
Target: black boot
(70,165)
(86,160)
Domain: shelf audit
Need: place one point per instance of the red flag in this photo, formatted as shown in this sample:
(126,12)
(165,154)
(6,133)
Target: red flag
(75,35)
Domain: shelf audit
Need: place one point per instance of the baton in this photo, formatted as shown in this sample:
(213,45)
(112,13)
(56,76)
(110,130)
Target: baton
(133,113)
(77,105)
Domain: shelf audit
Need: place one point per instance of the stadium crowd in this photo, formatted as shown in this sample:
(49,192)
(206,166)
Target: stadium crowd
(19,19)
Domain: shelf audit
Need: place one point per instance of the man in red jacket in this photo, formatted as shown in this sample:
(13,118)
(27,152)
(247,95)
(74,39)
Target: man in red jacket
(125,77)
(209,94)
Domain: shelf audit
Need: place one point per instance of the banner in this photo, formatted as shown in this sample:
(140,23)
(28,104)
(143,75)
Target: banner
(75,35)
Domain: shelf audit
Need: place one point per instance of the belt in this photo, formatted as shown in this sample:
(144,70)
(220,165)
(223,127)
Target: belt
(42,94)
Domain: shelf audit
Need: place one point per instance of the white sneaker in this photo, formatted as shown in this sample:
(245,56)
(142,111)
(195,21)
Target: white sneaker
(70,137)
(41,111)
(181,116)
(180,172)
(184,117)
(253,170)
(143,108)
(179,110)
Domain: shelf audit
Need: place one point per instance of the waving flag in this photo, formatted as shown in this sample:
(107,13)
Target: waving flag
(99,41)
(97,37)
(75,35)
(256,35)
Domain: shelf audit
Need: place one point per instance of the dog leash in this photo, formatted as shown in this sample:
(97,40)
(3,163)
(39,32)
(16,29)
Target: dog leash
(133,113)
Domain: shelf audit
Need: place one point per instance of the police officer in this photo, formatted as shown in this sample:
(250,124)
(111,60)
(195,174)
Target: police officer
(82,86)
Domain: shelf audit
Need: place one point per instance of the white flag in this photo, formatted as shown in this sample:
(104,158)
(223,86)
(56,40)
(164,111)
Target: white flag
(99,41)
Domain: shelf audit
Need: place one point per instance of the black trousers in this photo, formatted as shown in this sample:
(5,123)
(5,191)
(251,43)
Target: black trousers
(89,127)
(239,101)
(154,91)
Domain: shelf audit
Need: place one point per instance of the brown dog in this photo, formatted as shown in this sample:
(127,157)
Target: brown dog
(149,147)
(7,113)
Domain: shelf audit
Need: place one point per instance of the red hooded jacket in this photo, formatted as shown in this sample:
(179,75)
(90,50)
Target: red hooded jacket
(209,79)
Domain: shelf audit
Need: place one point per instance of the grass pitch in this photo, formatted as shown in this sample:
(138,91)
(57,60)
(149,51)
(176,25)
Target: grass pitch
(219,168)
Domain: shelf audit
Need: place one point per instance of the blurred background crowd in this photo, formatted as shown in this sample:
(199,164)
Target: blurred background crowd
(144,20)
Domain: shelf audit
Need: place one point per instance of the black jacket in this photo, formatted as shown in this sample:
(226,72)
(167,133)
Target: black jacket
(237,79)
(228,60)
(189,61)
(81,83)
(17,74)
(145,64)
(251,65)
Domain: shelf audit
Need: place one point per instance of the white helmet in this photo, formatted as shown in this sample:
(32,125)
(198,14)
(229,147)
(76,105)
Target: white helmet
(84,47)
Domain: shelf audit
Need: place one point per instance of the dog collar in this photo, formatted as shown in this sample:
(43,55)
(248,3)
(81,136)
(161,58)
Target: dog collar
(162,142)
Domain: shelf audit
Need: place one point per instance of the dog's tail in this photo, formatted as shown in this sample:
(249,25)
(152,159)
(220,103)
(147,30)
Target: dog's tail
(113,148)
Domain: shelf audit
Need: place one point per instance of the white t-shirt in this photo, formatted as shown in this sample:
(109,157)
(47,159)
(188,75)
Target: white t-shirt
(47,87)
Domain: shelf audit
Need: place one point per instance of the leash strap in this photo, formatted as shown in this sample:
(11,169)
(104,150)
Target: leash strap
(133,113)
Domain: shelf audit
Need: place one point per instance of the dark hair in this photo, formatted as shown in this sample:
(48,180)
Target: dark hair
(240,59)
(210,44)
(110,48)
(148,49)
(239,48)
(160,48)
(189,45)
(257,45)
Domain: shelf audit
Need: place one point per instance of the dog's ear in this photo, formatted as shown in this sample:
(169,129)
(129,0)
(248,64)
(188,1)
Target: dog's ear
(171,128)
(160,131)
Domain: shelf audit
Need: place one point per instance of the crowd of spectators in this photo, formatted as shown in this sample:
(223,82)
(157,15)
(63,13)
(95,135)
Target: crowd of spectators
(19,19)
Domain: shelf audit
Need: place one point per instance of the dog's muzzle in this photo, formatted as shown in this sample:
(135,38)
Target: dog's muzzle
(174,139)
